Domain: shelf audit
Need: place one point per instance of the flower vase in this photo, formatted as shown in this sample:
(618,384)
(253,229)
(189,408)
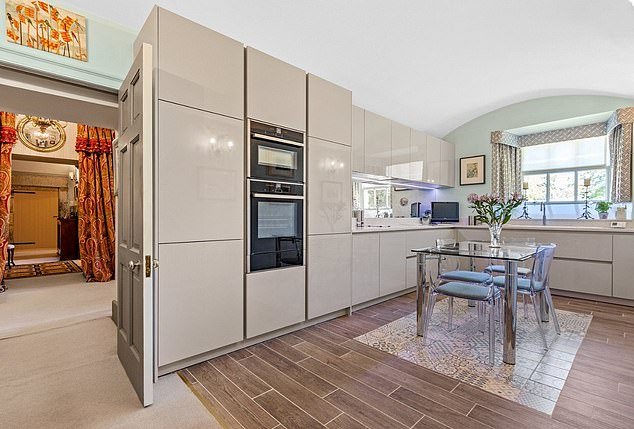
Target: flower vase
(495,230)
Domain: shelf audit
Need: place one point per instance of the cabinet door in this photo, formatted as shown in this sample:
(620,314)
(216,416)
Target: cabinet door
(209,77)
(276,91)
(365,267)
(448,164)
(433,160)
(275,299)
(393,265)
(623,266)
(200,175)
(329,111)
(378,144)
(329,187)
(329,273)
(199,312)
(418,156)
(401,136)
(358,139)
(581,276)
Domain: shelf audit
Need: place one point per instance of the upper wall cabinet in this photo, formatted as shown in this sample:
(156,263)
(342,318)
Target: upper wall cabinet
(276,91)
(401,136)
(378,144)
(329,187)
(209,77)
(418,156)
(329,111)
(358,139)
(433,160)
(447,164)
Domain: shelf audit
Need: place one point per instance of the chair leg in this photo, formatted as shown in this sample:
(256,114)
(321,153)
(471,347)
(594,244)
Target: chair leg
(481,315)
(525,306)
(450,315)
(549,300)
(492,311)
(538,319)
(500,306)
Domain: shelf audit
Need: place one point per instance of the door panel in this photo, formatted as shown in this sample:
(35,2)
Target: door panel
(35,219)
(134,253)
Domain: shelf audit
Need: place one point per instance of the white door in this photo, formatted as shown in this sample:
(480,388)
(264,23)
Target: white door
(135,342)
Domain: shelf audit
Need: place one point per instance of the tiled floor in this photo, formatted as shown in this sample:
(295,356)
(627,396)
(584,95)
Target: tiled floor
(462,352)
(321,376)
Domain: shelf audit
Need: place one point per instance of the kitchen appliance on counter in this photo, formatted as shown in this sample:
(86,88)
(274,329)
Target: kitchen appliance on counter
(415,210)
(275,206)
(275,154)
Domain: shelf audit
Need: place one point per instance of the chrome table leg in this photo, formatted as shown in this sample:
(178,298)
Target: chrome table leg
(510,311)
(421,294)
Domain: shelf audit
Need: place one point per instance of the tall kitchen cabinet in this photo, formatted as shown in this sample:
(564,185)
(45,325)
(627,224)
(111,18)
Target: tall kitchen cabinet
(199,177)
(401,141)
(378,144)
(358,139)
(275,94)
(329,197)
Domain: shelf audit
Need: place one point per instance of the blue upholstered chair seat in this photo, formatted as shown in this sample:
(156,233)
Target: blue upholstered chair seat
(465,290)
(466,276)
(522,271)
(522,284)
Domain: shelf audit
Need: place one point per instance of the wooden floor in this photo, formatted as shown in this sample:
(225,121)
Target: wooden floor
(320,377)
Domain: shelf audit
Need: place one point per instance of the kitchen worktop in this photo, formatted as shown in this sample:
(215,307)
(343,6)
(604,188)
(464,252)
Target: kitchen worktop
(530,227)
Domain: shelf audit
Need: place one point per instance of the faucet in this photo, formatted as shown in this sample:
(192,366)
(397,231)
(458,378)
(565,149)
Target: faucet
(542,208)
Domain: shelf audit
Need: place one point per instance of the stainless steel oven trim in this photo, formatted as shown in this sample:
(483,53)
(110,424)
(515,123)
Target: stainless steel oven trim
(276,139)
(248,231)
(276,181)
(278,197)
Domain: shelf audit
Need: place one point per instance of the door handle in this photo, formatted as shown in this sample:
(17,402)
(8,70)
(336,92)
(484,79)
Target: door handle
(134,265)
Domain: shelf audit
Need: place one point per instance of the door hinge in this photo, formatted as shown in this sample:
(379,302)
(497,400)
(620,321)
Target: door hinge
(148,265)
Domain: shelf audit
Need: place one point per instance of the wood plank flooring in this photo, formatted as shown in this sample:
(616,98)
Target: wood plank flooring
(320,377)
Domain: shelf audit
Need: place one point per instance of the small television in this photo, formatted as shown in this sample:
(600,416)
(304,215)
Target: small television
(445,212)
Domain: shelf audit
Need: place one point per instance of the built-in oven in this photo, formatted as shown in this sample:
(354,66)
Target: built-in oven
(276,225)
(275,154)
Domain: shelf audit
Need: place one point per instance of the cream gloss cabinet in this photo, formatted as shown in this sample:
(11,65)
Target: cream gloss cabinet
(329,273)
(378,144)
(400,151)
(418,156)
(329,111)
(365,267)
(276,91)
(358,139)
(201,175)
(329,187)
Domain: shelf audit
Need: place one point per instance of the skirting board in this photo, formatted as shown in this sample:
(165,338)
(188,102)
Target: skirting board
(175,366)
(590,297)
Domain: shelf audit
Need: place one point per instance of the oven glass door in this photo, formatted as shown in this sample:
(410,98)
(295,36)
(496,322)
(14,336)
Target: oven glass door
(277,231)
(276,161)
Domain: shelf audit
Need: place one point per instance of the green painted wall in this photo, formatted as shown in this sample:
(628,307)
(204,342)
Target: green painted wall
(109,53)
(473,138)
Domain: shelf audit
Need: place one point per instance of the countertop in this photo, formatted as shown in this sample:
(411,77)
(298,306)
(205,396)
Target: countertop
(563,228)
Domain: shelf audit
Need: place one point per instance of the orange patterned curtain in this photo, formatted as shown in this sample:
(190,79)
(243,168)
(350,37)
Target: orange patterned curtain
(96,203)
(8,137)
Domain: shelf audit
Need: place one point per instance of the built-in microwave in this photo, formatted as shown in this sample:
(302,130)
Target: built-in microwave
(275,154)
(275,225)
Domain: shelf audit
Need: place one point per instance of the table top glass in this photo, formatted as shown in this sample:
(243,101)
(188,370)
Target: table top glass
(482,249)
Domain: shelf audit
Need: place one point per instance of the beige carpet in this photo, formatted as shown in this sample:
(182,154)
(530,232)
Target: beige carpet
(71,378)
(39,303)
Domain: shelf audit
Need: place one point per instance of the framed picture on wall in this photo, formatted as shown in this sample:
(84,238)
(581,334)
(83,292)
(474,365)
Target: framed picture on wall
(472,170)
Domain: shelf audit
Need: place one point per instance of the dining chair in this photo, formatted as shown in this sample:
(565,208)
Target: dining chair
(483,293)
(454,273)
(496,269)
(537,283)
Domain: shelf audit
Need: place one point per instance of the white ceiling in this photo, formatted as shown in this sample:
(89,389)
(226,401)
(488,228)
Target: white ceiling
(431,64)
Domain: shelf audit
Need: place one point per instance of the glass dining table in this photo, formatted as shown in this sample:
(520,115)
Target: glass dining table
(508,255)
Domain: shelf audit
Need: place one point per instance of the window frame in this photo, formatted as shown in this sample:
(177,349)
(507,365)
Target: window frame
(388,197)
(579,170)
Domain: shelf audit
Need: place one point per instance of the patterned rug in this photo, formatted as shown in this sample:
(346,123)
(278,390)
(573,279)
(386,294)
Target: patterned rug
(463,353)
(44,269)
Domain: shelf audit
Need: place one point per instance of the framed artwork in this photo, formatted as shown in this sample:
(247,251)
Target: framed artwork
(43,26)
(472,170)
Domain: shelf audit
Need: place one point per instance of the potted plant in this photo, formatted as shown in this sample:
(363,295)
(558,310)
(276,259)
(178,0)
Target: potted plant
(603,207)
(494,211)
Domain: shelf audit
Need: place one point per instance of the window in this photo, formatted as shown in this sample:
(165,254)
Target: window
(375,200)
(556,172)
